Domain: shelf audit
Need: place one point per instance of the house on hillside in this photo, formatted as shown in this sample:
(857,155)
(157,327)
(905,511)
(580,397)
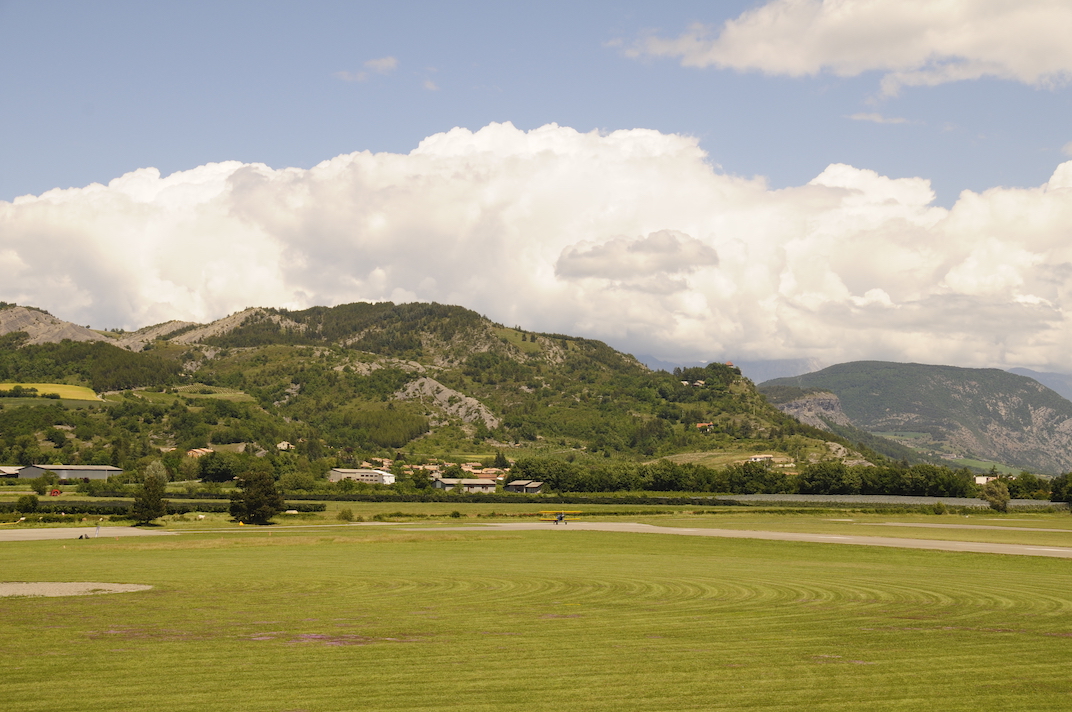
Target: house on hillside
(70,472)
(983,479)
(524,486)
(375,477)
(766,459)
(466,484)
(199,451)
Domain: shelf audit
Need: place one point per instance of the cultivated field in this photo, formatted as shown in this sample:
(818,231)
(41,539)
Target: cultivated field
(61,389)
(381,618)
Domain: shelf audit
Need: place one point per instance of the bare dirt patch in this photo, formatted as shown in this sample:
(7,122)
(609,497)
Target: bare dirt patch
(66,588)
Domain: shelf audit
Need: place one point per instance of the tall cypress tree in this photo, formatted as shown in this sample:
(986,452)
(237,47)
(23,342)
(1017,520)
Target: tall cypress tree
(149,502)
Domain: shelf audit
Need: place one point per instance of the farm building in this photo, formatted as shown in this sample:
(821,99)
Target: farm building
(70,472)
(524,486)
(376,477)
(469,485)
(10,470)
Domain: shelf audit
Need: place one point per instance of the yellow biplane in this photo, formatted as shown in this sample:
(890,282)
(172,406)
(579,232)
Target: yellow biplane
(558,516)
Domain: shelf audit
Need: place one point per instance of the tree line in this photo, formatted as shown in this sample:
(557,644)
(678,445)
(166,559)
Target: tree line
(829,477)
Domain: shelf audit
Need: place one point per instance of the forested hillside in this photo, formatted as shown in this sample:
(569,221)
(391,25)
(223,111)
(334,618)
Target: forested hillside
(356,381)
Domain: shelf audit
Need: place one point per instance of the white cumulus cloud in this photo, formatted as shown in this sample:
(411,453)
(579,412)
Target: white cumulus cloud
(913,42)
(631,236)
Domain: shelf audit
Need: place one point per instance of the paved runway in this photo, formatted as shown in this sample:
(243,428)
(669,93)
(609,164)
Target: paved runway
(934,544)
(74,533)
(988,527)
(968,546)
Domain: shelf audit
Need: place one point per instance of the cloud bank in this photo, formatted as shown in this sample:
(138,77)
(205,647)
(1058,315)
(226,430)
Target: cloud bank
(631,237)
(914,42)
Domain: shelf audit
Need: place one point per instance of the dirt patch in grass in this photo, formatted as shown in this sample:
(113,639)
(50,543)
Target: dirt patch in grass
(67,588)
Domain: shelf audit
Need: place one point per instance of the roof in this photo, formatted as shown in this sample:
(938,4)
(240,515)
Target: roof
(363,470)
(518,483)
(86,468)
(453,481)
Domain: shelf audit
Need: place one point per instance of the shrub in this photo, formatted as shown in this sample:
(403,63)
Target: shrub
(27,503)
(345,515)
(456,514)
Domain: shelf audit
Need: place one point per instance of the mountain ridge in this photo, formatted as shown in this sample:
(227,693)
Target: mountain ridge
(987,414)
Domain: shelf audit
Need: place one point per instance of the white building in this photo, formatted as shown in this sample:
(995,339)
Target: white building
(70,472)
(375,477)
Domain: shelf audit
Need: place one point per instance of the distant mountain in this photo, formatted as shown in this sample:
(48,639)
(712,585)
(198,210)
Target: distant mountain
(760,371)
(656,364)
(1060,383)
(986,414)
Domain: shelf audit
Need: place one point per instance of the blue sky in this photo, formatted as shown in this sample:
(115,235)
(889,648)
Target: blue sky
(818,180)
(93,90)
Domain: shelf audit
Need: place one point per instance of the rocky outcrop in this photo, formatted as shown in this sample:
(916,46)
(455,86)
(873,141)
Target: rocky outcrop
(43,328)
(458,405)
(816,409)
(137,340)
(232,322)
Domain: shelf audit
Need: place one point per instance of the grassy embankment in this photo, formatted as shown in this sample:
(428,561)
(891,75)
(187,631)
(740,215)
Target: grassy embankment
(374,619)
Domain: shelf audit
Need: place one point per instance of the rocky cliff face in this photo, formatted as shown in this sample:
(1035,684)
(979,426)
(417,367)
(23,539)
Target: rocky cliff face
(813,408)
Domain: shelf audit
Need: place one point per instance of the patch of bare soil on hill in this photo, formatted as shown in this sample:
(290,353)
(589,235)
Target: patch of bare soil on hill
(66,588)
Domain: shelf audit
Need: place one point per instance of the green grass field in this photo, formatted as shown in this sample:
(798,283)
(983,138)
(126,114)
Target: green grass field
(385,619)
(985,465)
(192,391)
(63,390)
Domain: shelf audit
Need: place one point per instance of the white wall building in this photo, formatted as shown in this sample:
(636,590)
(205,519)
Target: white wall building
(375,477)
